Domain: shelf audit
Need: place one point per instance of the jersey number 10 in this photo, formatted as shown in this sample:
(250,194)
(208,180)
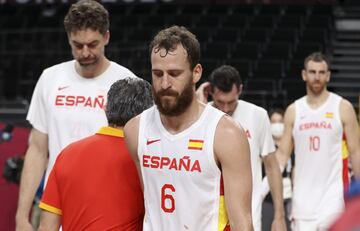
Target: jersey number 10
(168,207)
(314,143)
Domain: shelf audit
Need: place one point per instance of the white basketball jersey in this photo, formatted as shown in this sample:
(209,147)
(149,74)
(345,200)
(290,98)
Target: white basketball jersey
(68,107)
(180,175)
(256,124)
(318,185)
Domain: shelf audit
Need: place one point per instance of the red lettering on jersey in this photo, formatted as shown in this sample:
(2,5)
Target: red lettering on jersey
(182,164)
(196,166)
(59,100)
(80,101)
(146,161)
(315,125)
(70,100)
(155,162)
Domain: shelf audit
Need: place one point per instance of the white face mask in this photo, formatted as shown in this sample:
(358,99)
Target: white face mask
(277,129)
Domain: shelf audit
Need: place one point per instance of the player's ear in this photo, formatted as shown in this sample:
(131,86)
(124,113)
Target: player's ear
(197,72)
(303,74)
(107,37)
(240,89)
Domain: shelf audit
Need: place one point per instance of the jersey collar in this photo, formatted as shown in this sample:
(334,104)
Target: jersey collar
(110,131)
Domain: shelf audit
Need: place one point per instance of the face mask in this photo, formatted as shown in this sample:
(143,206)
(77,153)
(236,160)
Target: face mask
(277,129)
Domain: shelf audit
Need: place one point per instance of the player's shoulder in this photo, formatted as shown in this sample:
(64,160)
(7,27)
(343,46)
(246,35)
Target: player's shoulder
(228,126)
(247,107)
(61,66)
(57,71)
(83,143)
(346,106)
(115,67)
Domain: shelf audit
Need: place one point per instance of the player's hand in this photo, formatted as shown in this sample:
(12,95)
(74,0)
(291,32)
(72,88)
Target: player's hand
(278,224)
(202,93)
(24,225)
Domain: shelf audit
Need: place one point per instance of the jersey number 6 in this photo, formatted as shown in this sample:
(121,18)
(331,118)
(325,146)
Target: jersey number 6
(168,207)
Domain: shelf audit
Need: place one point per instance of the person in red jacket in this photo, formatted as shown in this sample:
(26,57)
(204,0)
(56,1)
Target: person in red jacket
(94,184)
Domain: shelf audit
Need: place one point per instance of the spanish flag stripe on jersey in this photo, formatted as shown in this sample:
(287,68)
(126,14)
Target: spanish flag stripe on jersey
(50,208)
(195,144)
(329,115)
(223,217)
(345,155)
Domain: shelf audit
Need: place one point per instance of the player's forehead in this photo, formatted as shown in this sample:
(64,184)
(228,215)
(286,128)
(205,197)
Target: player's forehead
(85,36)
(313,65)
(219,95)
(174,59)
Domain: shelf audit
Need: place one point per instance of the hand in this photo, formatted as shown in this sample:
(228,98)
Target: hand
(24,225)
(278,224)
(202,93)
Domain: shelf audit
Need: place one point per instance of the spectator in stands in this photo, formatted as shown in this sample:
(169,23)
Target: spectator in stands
(68,100)
(225,87)
(99,164)
(314,127)
(277,128)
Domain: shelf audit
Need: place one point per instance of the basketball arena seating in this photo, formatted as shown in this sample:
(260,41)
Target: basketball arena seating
(266,43)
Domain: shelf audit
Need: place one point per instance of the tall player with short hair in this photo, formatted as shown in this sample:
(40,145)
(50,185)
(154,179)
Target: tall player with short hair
(225,86)
(184,147)
(314,127)
(68,100)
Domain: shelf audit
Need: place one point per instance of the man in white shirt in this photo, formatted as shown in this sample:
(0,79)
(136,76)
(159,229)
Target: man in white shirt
(315,127)
(69,98)
(225,87)
(194,160)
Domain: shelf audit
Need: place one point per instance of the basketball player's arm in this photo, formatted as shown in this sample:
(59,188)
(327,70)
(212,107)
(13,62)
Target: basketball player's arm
(286,146)
(131,131)
(351,129)
(49,221)
(276,187)
(33,171)
(232,153)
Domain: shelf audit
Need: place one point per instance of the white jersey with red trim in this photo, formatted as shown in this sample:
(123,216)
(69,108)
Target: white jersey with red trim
(256,123)
(68,107)
(318,185)
(181,178)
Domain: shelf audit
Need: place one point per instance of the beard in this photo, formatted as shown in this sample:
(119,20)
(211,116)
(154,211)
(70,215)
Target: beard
(172,103)
(88,62)
(317,88)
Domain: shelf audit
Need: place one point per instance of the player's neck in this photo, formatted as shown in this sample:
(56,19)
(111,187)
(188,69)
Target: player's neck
(315,101)
(93,71)
(177,124)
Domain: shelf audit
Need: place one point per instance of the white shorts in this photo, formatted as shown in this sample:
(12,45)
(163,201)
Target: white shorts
(321,224)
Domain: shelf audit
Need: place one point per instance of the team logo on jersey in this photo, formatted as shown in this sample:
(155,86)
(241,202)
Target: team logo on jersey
(329,115)
(149,141)
(195,144)
(63,87)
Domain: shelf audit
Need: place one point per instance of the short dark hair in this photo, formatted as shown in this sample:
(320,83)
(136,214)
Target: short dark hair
(224,77)
(170,37)
(316,57)
(87,14)
(126,99)
(276,110)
